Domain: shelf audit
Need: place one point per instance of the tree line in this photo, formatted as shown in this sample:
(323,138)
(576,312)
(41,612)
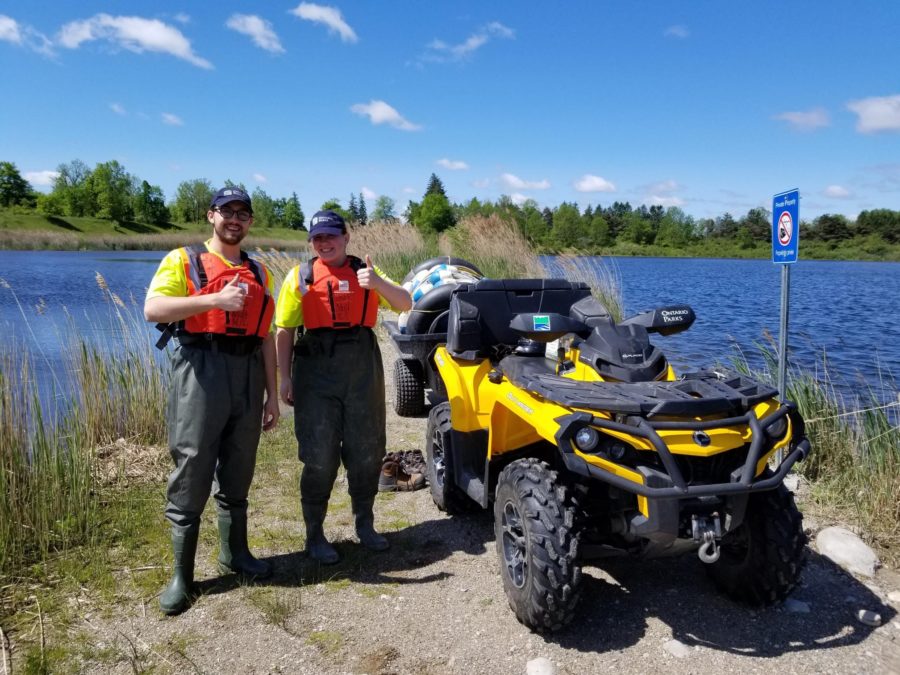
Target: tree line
(109,191)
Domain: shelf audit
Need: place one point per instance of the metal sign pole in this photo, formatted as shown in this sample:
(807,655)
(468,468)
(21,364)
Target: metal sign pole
(783,334)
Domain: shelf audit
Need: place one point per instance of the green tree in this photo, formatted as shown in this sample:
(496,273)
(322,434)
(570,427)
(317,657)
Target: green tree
(435,186)
(353,209)
(435,214)
(568,228)
(363,212)
(384,210)
(883,222)
(111,189)
(334,204)
(534,227)
(293,214)
(832,228)
(637,229)
(150,205)
(675,229)
(264,211)
(598,230)
(71,188)
(192,198)
(758,223)
(13,188)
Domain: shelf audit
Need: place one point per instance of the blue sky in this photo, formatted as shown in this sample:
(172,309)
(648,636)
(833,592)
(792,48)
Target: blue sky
(709,106)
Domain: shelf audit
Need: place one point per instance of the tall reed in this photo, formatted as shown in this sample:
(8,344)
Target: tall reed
(496,246)
(854,465)
(602,278)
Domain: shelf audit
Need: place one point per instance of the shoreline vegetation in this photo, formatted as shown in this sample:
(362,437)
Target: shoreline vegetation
(37,232)
(81,480)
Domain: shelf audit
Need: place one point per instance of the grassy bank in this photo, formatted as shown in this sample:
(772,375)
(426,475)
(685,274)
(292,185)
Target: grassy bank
(31,231)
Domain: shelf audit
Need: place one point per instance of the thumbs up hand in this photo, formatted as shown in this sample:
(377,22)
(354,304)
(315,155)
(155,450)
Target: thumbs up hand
(367,276)
(231,297)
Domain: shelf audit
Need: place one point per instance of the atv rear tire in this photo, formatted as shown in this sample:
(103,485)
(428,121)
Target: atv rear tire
(446,494)
(537,544)
(409,390)
(761,560)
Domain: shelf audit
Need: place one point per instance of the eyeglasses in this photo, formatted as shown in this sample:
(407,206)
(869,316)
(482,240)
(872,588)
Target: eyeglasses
(243,216)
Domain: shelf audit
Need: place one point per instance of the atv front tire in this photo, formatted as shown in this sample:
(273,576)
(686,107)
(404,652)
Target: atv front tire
(409,391)
(537,545)
(761,560)
(446,494)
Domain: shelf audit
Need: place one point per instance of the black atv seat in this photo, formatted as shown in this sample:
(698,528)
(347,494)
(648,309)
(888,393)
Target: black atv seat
(480,313)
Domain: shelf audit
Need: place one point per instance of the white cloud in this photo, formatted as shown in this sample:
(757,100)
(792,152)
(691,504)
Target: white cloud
(24,36)
(117,108)
(452,164)
(9,30)
(836,192)
(440,51)
(408,190)
(481,184)
(516,183)
(677,31)
(181,17)
(664,187)
(380,112)
(807,120)
(590,183)
(518,198)
(259,178)
(368,194)
(878,113)
(172,120)
(666,201)
(258,29)
(134,33)
(329,16)
(42,178)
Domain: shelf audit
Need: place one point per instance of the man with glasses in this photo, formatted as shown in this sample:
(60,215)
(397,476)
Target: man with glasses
(218,304)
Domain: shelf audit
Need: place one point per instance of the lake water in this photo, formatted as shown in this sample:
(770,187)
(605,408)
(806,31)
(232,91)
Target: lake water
(847,310)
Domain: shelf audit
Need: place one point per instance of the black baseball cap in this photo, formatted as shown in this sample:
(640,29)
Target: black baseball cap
(230,194)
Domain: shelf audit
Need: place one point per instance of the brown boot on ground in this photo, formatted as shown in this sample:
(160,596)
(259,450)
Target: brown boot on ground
(395,479)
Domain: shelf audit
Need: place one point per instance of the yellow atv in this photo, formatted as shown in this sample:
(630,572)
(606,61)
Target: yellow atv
(599,449)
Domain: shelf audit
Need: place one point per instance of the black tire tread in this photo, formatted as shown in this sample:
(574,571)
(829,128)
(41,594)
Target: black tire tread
(552,590)
(447,496)
(775,556)
(409,391)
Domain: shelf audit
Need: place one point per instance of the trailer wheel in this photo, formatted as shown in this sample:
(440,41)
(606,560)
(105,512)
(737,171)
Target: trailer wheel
(409,390)
(537,544)
(761,560)
(446,494)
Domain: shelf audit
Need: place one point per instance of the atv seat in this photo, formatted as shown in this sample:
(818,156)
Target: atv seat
(480,313)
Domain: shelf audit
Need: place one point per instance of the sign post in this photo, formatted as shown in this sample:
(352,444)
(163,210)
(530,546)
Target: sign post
(785,250)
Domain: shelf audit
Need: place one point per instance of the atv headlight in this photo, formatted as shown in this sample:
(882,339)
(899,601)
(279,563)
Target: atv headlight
(776,430)
(586,439)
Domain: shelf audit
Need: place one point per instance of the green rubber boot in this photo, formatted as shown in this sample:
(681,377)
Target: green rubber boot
(317,546)
(234,554)
(365,526)
(177,595)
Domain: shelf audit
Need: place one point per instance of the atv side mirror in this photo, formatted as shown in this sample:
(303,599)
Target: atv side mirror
(545,327)
(664,320)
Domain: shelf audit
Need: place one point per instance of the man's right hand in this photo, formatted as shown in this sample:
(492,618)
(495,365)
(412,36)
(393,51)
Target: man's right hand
(231,297)
(287,391)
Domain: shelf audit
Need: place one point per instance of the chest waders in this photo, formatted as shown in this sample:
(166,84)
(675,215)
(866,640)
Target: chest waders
(214,416)
(339,418)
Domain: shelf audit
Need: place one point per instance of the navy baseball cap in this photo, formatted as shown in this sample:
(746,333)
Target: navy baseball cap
(230,194)
(326,222)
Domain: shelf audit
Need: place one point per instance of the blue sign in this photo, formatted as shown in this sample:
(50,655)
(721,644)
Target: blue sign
(786,227)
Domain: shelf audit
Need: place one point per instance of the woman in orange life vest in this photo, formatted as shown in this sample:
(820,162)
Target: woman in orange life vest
(337,382)
(218,303)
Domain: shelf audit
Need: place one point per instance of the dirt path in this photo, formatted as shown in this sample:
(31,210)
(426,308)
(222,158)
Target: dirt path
(434,604)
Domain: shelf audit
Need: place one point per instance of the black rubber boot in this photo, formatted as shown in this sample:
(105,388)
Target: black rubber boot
(365,526)
(317,546)
(177,595)
(234,554)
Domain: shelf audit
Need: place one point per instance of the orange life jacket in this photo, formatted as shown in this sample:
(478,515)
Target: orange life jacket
(332,296)
(208,273)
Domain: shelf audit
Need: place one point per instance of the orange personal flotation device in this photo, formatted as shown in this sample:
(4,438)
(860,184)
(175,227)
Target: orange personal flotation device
(208,273)
(332,296)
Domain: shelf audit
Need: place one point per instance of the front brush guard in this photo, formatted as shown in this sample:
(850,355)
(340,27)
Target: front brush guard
(660,486)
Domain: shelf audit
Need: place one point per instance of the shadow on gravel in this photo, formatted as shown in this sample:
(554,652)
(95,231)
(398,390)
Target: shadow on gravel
(677,592)
(412,548)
